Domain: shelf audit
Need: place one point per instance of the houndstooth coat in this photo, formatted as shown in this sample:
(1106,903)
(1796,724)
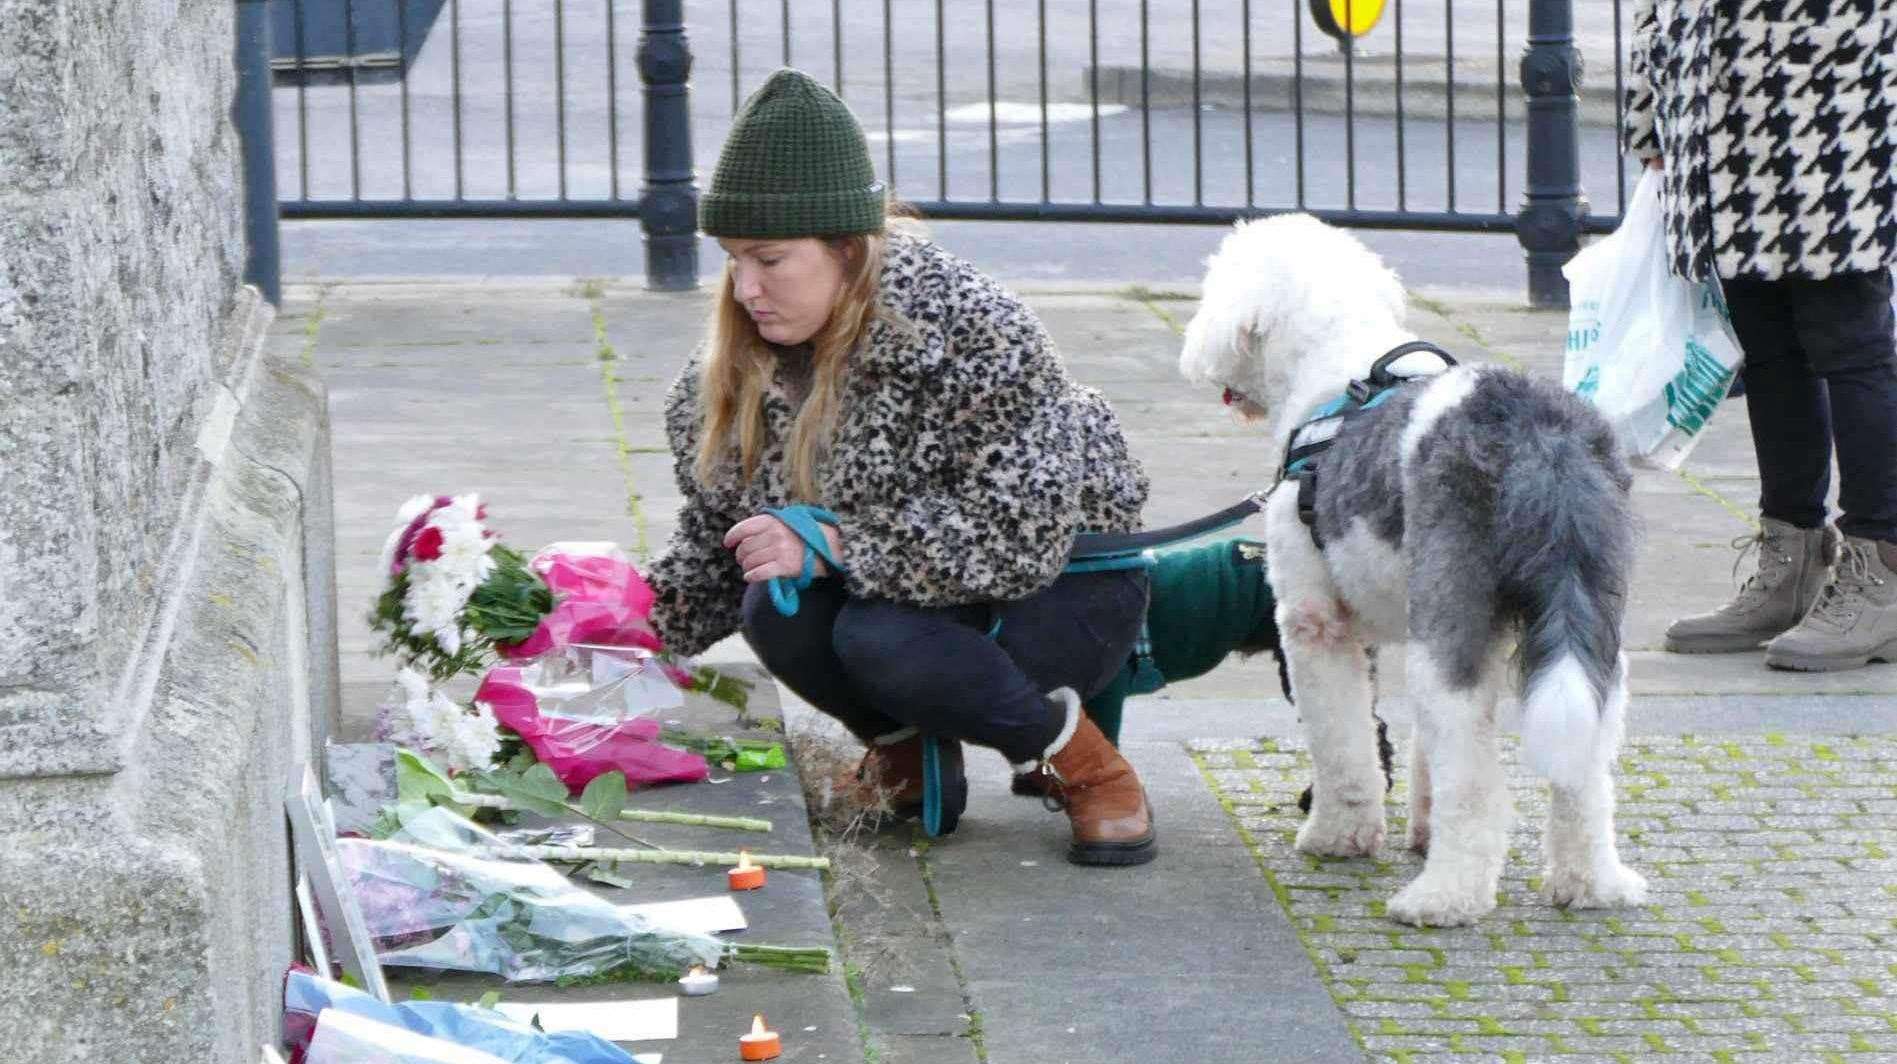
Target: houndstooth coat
(964,461)
(1777,124)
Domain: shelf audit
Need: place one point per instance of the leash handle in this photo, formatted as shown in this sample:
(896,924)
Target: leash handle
(808,523)
(1380,371)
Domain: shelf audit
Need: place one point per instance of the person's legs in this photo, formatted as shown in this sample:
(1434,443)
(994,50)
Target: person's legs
(1845,325)
(798,651)
(983,673)
(1786,401)
(1791,437)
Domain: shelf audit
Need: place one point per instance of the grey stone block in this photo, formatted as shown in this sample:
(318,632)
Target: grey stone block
(149,907)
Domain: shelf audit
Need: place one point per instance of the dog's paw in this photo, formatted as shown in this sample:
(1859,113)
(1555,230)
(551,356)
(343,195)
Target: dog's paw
(1416,839)
(1343,836)
(1430,901)
(1590,888)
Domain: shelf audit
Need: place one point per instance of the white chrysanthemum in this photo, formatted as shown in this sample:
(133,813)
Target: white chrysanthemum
(477,736)
(464,543)
(422,718)
(434,604)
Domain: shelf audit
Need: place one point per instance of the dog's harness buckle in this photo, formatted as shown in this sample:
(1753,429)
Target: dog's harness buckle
(1316,435)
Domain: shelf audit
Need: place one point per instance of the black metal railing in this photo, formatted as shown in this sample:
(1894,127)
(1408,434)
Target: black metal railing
(1085,110)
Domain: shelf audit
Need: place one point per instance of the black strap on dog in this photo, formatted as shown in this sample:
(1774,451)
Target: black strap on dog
(1316,435)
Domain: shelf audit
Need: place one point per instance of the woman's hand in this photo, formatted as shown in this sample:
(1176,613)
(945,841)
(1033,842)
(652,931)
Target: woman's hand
(767,548)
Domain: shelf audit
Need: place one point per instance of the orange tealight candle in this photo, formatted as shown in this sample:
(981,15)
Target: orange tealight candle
(746,876)
(760,1044)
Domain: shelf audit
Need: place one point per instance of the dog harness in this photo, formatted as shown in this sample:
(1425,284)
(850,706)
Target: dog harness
(1315,436)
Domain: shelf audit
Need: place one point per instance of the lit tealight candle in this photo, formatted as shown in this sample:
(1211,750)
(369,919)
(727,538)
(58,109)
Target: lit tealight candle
(760,1044)
(698,982)
(746,876)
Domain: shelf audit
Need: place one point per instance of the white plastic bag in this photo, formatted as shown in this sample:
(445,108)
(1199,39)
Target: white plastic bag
(1654,352)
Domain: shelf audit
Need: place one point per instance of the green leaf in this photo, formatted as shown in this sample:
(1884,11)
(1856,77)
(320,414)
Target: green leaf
(537,789)
(419,779)
(488,1000)
(604,797)
(601,872)
(752,759)
(393,818)
(420,993)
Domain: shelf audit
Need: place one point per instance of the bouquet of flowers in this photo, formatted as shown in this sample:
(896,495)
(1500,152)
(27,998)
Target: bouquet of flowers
(574,615)
(441,892)
(454,591)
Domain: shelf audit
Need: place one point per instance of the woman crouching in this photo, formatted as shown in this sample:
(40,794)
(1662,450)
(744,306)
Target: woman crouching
(884,466)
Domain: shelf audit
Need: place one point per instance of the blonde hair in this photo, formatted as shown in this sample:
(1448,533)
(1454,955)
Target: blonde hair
(739,364)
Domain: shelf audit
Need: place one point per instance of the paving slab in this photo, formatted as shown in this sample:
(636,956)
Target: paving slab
(1771,912)
(1176,960)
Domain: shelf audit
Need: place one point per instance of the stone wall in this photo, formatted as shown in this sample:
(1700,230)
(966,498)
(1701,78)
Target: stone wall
(163,520)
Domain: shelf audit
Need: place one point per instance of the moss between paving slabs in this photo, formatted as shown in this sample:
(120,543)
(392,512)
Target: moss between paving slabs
(593,292)
(1771,925)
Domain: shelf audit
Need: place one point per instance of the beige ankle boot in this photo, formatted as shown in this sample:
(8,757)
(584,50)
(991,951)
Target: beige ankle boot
(1854,621)
(1793,565)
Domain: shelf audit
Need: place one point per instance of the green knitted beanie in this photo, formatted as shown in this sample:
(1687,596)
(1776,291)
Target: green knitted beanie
(794,165)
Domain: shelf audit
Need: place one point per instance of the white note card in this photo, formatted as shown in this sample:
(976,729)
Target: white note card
(615,1021)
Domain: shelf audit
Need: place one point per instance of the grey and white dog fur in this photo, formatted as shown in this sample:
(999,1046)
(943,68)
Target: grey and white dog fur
(1474,513)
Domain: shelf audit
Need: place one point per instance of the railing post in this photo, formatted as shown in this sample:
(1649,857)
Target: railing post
(250,113)
(1549,225)
(668,204)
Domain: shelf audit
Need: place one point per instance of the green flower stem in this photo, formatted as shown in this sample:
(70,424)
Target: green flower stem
(813,959)
(648,816)
(702,820)
(586,854)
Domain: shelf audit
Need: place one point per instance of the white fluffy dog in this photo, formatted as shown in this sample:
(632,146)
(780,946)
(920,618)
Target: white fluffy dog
(1468,512)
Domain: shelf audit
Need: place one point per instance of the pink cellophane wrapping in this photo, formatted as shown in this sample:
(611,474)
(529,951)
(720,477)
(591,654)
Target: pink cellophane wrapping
(577,750)
(599,599)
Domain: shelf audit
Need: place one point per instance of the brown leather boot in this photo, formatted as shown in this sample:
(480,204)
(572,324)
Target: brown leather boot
(891,770)
(1087,777)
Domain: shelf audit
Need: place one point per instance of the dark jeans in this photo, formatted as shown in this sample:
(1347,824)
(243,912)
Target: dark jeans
(1821,371)
(880,666)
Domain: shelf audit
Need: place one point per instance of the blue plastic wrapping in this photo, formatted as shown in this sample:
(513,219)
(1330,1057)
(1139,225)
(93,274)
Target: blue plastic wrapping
(305,997)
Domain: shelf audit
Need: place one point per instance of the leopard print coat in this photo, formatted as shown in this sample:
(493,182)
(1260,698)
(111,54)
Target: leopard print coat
(964,461)
(1777,123)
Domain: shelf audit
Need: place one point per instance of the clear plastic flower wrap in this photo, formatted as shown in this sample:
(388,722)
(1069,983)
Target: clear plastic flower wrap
(588,710)
(444,893)
(601,684)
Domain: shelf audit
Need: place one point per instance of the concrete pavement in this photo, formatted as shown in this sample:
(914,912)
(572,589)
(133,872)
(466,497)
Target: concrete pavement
(1760,804)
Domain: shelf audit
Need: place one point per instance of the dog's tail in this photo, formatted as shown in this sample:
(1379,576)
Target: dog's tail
(1571,581)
